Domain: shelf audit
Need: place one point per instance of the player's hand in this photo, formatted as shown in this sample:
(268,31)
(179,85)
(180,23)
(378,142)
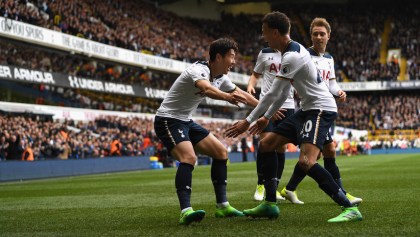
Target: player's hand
(259,126)
(236,97)
(237,128)
(201,93)
(279,114)
(342,96)
(251,90)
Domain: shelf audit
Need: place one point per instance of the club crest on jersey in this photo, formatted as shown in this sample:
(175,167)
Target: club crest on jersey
(285,70)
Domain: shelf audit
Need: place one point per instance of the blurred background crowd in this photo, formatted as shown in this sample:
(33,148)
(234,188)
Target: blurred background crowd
(357,44)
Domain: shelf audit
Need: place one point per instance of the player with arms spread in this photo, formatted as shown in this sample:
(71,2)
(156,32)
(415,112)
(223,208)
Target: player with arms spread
(308,127)
(320,34)
(268,65)
(182,136)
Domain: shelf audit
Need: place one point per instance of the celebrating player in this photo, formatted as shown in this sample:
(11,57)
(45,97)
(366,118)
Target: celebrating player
(320,34)
(182,136)
(268,65)
(308,127)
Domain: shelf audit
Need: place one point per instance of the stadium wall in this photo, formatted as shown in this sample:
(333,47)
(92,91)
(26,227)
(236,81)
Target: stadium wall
(20,170)
(24,170)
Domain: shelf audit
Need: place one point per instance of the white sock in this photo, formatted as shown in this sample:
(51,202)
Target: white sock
(186,209)
(223,204)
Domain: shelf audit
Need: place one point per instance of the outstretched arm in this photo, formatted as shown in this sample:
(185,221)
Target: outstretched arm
(278,93)
(272,101)
(208,90)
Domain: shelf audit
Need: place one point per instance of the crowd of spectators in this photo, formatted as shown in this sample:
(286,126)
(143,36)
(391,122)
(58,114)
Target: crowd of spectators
(134,136)
(355,41)
(391,111)
(104,137)
(406,36)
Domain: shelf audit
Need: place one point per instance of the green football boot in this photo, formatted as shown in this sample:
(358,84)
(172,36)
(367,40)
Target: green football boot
(227,211)
(264,210)
(348,214)
(191,216)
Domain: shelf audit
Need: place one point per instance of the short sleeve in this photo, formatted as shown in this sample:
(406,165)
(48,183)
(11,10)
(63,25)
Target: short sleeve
(259,65)
(198,72)
(226,84)
(290,65)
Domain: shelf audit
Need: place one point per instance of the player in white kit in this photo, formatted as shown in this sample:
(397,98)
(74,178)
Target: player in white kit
(268,65)
(320,31)
(182,136)
(308,127)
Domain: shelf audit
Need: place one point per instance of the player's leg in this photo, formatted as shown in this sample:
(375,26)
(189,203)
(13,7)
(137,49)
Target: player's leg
(330,165)
(313,136)
(281,150)
(289,192)
(281,159)
(260,190)
(267,154)
(212,147)
(174,135)
(184,153)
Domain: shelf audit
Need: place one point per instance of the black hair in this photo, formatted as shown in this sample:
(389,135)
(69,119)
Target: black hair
(279,21)
(222,46)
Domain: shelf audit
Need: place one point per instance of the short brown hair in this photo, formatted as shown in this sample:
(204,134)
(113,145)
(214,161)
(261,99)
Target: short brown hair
(279,21)
(319,21)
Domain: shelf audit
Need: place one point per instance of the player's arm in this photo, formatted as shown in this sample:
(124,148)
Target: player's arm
(210,91)
(250,100)
(272,101)
(336,90)
(253,79)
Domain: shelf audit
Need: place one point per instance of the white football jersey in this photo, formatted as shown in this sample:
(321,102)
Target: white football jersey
(268,65)
(298,67)
(182,100)
(324,64)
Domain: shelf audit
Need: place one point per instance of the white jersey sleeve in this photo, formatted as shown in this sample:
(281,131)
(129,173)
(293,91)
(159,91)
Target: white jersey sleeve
(224,84)
(332,69)
(197,72)
(259,65)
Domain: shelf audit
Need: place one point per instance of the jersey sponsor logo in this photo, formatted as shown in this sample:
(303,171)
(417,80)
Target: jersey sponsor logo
(325,74)
(273,67)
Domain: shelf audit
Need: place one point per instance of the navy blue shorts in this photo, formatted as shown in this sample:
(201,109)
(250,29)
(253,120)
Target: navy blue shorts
(328,139)
(310,126)
(271,125)
(173,131)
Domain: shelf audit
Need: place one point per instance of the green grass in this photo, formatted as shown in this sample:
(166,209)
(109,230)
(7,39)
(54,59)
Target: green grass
(144,203)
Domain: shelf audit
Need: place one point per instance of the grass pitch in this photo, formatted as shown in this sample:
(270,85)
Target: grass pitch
(144,203)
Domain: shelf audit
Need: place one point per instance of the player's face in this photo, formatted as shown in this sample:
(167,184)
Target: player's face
(269,35)
(320,38)
(229,60)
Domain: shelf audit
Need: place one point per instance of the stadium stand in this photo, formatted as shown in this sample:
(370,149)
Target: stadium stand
(356,45)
